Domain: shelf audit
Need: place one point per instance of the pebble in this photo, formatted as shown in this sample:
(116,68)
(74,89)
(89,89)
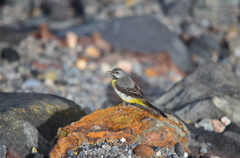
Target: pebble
(179,149)
(218,126)
(158,153)
(31,83)
(203,150)
(225,120)
(70,153)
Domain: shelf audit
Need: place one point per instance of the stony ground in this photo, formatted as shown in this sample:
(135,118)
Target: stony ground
(69,58)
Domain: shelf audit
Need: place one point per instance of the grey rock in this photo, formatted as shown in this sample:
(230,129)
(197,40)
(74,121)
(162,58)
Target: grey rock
(203,150)
(17,133)
(3,150)
(192,99)
(206,123)
(146,34)
(31,83)
(179,149)
(32,119)
(213,11)
(204,46)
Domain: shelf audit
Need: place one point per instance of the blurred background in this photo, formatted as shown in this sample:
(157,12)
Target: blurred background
(65,47)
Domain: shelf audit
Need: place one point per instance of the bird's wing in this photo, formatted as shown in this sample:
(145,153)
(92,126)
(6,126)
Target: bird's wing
(127,86)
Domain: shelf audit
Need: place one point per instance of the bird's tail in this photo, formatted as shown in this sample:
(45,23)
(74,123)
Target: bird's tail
(156,109)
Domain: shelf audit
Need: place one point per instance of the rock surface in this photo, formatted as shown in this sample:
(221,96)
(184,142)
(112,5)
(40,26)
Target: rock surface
(196,96)
(31,120)
(132,123)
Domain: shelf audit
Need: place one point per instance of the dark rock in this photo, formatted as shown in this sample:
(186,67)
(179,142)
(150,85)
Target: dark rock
(146,34)
(57,11)
(204,46)
(177,8)
(10,54)
(196,97)
(31,120)
(217,142)
(179,149)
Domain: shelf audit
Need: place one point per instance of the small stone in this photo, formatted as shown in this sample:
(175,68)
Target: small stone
(92,52)
(151,72)
(71,39)
(185,154)
(179,149)
(31,83)
(107,147)
(218,126)
(123,140)
(70,153)
(203,150)
(159,153)
(125,65)
(143,151)
(129,152)
(225,120)
(10,54)
(81,63)
(206,123)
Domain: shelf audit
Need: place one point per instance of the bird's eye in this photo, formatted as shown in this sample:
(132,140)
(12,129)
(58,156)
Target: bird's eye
(117,72)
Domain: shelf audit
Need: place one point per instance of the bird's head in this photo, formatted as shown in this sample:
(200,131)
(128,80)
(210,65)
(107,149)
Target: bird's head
(117,73)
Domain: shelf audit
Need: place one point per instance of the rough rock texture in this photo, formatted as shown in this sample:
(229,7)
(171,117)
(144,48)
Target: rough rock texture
(31,120)
(205,94)
(132,123)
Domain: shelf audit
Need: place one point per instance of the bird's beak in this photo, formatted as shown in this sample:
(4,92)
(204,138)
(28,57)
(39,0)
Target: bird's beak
(109,72)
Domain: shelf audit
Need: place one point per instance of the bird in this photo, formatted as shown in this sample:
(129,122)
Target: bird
(129,91)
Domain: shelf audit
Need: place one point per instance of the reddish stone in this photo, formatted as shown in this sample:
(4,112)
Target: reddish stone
(143,151)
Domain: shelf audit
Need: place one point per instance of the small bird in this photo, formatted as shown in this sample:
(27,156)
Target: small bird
(129,91)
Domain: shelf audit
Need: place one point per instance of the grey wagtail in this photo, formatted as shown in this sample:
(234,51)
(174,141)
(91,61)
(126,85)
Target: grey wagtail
(129,91)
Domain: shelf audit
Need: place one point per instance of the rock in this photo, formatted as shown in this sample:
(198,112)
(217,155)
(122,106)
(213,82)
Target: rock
(214,13)
(81,63)
(134,124)
(217,143)
(203,150)
(193,98)
(31,120)
(17,133)
(132,35)
(204,46)
(92,51)
(11,153)
(10,54)
(31,83)
(206,123)
(218,126)
(225,120)
(143,151)
(71,39)
(179,149)
(3,151)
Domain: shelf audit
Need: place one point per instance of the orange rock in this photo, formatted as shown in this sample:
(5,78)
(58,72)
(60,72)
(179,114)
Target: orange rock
(151,72)
(143,151)
(92,51)
(135,124)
